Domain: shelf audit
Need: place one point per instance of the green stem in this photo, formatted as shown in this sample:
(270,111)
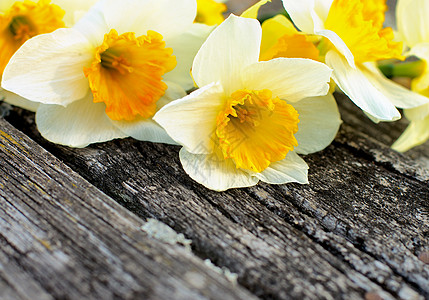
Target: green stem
(409,69)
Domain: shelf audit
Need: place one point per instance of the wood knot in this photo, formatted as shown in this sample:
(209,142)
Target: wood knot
(424,257)
(372,296)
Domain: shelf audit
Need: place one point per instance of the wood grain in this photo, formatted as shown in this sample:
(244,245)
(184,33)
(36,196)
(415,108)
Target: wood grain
(358,227)
(61,238)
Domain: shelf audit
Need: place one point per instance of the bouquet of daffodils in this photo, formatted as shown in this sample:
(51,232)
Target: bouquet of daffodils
(243,99)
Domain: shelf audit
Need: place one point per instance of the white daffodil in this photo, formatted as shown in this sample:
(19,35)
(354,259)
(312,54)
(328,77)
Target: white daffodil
(105,77)
(413,27)
(249,119)
(353,40)
(21,20)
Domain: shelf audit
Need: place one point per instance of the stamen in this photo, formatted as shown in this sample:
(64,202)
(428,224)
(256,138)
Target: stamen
(256,130)
(21,28)
(111,60)
(127,74)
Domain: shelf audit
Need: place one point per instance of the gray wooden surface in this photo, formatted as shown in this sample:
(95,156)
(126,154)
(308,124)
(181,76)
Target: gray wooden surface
(62,238)
(71,222)
(359,227)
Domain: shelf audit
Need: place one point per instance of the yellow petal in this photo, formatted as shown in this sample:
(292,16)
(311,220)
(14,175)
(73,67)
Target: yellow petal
(256,130)
(23,21)
(359,24)
(209,12)
(127,74)
(252,12)
(281,39)
(414,135)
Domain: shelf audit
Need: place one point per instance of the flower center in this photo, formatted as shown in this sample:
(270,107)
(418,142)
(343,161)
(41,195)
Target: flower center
(21,28)
(126,74)
(256,130)
(359,24)
(111,60)
(24,20)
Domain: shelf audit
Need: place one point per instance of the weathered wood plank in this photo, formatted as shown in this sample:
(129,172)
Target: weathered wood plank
(61,238)
(359,226)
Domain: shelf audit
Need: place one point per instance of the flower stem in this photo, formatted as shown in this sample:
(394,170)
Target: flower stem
(409,69)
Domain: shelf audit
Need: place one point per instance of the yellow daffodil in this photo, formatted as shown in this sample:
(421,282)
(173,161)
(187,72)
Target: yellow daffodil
(413,28)
(21,20)
(250,118)
(210,12)
(353,39)
(105,77)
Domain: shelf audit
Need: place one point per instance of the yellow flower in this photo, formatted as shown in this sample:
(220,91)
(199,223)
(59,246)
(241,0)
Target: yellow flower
(210,12)
(105,77)
(353,39)
(23,20)
(250,118)
(127,74)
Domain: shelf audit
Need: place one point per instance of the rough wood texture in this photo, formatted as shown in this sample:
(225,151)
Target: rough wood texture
(61,238)
(358,227)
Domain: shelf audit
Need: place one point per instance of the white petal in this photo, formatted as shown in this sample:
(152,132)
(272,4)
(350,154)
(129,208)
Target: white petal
(49,68)
(291,79)
(16,100)
(144,130)
(6,4)
(416,134)
(231,47)
(319,121)
(291,169)
(322,8)
(339,45)
(185,47)
(308,15)
(173,92)
(213,172)
(147,129)
(167,17)
(73,9)
(93,25)
(301,14)
(413,21)
(191,121)
(360,90)
(397,94)
(81,123)
(417,113)
(420,50)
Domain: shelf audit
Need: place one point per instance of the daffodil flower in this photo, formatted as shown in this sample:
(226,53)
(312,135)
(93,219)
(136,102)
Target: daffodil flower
(21,20)
(105,77)
(413,27)
(249,119)
(210,12)
(353,40)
